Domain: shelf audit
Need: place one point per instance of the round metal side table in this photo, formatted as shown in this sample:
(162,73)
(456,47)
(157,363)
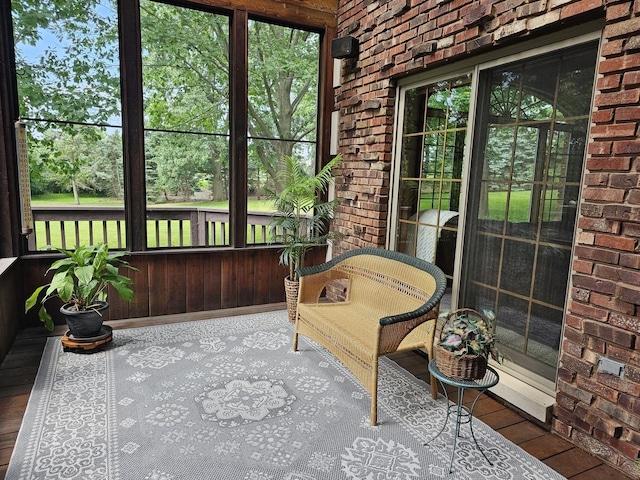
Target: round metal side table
(462,413)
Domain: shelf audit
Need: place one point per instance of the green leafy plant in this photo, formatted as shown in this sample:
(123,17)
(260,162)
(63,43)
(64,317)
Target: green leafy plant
(302,218)
(81,279)
(471,333)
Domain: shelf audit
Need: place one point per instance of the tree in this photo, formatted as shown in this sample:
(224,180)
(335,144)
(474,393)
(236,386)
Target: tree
(107,175)
(283,92)
(186,87)
(68,59)
(186,74)
(176,161)
(87,160)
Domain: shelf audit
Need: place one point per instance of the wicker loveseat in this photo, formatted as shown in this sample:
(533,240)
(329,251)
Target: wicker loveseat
(392,303)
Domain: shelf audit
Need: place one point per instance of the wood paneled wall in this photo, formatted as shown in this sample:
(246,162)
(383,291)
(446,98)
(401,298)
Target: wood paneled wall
(10,306)
(185,281)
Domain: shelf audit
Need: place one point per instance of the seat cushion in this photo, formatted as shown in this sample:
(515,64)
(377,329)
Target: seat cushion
(345,323)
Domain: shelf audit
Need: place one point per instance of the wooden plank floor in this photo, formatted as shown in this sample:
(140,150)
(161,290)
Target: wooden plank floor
(18,371)
(536,439)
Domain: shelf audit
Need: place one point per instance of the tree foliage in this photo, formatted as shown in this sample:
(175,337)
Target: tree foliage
(186,86)
(89,161)
(67,59)
(283,90)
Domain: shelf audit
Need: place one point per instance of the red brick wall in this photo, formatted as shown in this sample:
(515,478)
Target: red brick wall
(599,412)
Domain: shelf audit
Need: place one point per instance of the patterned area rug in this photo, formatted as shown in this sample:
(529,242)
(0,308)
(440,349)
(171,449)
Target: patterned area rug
(227,399)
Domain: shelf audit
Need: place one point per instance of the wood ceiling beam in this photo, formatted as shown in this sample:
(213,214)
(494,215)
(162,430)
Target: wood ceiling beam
(310,13)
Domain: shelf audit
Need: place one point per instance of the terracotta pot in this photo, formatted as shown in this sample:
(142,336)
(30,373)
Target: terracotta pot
(86,323)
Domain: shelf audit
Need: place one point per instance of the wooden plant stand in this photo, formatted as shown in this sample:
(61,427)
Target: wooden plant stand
(87,345)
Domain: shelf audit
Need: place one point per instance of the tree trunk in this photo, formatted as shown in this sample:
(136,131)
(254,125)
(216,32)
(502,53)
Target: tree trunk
(74,187)
(218,193)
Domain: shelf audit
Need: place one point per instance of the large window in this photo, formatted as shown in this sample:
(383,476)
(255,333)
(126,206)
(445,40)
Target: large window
(532,124)
(185,73)
(514,192)
(283,105)
(69,67)
(68,74)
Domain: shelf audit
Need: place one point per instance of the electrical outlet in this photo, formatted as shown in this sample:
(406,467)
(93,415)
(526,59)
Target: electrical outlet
(606,365)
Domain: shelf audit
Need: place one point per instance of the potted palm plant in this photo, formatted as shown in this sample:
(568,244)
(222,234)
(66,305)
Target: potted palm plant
(302,217)
(80,280)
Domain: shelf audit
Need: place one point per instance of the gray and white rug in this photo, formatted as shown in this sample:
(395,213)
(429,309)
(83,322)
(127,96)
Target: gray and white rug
(226,399)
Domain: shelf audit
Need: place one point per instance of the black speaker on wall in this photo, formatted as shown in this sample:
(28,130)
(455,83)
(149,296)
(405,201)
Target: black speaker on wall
(345,47)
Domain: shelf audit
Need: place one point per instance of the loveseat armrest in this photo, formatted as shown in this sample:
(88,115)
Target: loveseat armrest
(314,279)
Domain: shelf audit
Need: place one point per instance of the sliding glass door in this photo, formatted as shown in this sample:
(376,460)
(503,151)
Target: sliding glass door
(510,180)
(531,129)
(433,143)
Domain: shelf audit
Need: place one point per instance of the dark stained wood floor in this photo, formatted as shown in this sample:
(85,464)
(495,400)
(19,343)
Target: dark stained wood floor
(18,371)
(531,436)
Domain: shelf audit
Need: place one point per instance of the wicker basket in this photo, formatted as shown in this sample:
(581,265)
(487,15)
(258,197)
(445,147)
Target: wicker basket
(465,367)
(291,294)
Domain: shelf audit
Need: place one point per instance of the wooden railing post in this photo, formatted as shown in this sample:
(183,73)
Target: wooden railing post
(196,224)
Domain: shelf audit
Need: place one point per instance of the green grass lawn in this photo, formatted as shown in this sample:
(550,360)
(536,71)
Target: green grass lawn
(55,199)
(519,205)
(66,199)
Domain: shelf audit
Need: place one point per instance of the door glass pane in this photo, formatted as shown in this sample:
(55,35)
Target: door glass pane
(185,71)
(68,81)
(433,143)
(526,168)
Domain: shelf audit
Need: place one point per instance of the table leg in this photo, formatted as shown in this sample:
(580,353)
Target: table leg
(460,413)
(446,418)
(473,405)
(462,416)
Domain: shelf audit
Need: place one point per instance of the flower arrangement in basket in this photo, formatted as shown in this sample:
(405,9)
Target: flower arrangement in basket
(466,342)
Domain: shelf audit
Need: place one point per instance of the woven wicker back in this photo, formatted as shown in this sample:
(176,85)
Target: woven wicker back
(371,276)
